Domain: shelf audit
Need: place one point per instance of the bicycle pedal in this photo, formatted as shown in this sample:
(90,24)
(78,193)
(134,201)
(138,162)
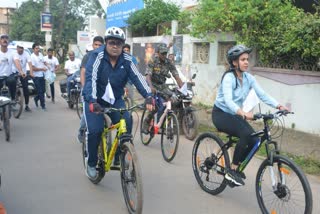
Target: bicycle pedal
(115,168)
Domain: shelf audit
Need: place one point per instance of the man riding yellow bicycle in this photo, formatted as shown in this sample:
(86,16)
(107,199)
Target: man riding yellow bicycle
(107,72)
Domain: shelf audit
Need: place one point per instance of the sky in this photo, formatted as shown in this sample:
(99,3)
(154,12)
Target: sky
(11,3)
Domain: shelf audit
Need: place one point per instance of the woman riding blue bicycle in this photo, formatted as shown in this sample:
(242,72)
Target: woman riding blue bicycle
(227,113)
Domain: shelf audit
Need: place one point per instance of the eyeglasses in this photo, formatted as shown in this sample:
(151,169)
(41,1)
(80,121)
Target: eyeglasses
(4,37)
(117,43)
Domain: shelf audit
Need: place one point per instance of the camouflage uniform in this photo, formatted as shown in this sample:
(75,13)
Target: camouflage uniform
(159,72)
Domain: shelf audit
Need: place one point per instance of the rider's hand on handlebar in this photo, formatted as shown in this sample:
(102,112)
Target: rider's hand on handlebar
(281,107)
(249,116)
(95,107)
(150,103)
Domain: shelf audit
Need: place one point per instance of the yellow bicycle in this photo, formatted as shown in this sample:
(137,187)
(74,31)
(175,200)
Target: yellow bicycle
(130,172)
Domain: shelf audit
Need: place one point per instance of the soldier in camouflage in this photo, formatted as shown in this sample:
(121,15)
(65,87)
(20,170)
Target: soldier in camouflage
(157,73)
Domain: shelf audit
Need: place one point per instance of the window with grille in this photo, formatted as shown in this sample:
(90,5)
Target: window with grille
(223,47)
(201,52)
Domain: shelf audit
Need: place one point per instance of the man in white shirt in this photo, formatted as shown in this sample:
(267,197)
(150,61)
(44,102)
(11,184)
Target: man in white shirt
(7,66)
(39,67)
(53,66)
(21,58)
(71,67)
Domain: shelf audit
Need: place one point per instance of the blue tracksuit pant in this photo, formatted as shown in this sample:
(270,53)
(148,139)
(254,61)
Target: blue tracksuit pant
(95,125)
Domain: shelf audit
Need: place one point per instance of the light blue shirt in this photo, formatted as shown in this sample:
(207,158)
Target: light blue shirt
(230,98)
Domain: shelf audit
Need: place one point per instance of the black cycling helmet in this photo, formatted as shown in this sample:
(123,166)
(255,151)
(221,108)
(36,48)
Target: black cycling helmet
(114,33)
(234,52)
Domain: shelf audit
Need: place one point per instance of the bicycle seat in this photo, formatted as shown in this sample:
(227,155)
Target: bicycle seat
(4,101)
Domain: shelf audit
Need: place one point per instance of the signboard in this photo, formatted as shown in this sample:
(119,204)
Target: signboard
(119,11)
(144,53)
(177,48)
(83,39)
(46,21)
(83,36)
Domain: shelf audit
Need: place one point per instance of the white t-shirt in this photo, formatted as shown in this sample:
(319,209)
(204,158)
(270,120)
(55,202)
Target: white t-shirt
(73,66)
(51,63)
(38,62)
(24,58)
(6,63)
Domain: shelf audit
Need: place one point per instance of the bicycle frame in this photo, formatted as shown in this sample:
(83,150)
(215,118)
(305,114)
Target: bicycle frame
(165,112)
(122,128)
(263,135)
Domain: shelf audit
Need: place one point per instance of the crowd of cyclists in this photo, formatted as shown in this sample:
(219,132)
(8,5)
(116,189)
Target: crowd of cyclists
(108,64)
(105,71)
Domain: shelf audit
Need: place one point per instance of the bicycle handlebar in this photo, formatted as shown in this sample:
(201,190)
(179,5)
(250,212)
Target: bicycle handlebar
(122,110)
(272,116)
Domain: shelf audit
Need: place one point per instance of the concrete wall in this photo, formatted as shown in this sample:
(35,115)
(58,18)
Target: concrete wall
(301,95)
(299,92)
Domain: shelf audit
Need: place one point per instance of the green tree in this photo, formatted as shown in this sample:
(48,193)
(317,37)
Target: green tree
(154,13)
(68,18)
(282,33)
(26,23)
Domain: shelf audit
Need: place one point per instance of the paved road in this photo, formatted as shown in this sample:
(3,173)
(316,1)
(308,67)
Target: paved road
(42,172)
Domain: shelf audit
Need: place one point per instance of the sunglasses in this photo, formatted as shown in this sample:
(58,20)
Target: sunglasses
(4,37)
(115,43)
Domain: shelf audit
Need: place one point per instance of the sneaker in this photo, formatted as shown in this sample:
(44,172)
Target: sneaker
(44,108)
(53,101)
(81,136)
(234,177)
(48,96)
(91,172)
(36,102)
(27,109)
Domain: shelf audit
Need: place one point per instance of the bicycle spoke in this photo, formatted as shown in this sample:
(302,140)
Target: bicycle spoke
(283,189)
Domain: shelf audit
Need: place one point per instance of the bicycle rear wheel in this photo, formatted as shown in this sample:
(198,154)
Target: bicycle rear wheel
(282,187)
(6,121)
(209,162)
(131,179)
(145,138)
(100,165)
(18,107)
(170,137)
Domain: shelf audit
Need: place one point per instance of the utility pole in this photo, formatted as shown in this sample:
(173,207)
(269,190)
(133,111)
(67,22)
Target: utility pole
(48,33)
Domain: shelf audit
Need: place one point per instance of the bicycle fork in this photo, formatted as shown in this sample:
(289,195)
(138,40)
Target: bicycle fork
(274,179)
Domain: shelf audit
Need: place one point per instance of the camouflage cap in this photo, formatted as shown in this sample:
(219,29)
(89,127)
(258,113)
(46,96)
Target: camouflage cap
(162,48)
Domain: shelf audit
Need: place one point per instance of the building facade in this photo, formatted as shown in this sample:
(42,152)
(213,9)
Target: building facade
(5,21)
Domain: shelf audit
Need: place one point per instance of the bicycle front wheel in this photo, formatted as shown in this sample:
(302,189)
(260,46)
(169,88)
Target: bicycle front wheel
(18,107)
(6,121)
(170,137)
(282,187)
(131,179)
(209,161)
(145,138)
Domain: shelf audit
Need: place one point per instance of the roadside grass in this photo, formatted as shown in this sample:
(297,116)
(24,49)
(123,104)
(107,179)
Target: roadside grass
(309,165)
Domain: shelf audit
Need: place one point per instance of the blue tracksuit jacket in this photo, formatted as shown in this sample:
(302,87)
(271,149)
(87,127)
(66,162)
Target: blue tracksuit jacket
(99,71)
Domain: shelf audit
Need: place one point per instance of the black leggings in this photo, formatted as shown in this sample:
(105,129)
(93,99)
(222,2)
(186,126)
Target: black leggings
(236,126)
